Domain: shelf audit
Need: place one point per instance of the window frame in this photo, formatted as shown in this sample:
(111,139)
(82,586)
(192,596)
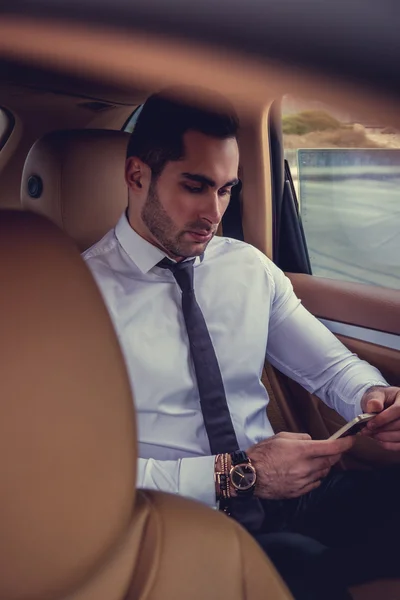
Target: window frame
(10,124)
(132,118)
(290,252)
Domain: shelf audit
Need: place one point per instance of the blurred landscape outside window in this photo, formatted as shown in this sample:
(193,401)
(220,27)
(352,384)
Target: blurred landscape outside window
(347,178)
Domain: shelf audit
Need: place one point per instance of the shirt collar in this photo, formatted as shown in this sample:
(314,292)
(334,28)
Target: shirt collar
(140,251)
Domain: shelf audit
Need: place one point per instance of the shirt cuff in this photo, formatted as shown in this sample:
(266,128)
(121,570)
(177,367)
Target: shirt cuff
(357,405)
(196,479)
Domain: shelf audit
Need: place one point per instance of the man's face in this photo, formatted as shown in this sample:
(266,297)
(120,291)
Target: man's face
(182,209)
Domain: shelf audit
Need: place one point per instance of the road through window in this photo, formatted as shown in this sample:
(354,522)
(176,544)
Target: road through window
(347,180)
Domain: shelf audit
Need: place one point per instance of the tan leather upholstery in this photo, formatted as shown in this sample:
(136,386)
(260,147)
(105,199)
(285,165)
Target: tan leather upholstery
(84,190)
(72,526)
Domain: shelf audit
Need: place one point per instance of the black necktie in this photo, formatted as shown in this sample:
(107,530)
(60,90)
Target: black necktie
(217,418)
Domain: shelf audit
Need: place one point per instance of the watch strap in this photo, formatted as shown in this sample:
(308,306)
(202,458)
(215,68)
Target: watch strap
(238,457)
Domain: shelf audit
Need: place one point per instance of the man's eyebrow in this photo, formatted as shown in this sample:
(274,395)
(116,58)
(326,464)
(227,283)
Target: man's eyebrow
(207,181)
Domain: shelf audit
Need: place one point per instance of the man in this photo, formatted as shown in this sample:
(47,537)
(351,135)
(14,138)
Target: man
(195,334)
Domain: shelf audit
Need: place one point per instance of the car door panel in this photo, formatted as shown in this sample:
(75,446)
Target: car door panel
(367,312)
(367,306)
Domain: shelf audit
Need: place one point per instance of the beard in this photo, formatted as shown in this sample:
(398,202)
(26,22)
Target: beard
(164,230)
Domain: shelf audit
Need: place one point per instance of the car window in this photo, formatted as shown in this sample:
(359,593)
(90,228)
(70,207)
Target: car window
(131,122)
(346,173)
(4,127)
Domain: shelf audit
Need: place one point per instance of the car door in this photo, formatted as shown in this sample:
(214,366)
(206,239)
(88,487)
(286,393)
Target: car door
(336,198)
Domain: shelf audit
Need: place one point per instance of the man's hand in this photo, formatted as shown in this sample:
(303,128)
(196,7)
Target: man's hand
(385,427)
(289,465)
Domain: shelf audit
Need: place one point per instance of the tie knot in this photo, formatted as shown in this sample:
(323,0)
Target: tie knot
(182,271)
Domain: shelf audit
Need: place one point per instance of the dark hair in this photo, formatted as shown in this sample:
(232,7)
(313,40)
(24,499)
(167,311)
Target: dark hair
(162,123)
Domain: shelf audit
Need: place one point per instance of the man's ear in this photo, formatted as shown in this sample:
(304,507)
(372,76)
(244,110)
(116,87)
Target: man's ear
(136,173)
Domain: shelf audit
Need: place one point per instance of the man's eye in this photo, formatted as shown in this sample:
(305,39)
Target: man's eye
(225,192)
(193,189)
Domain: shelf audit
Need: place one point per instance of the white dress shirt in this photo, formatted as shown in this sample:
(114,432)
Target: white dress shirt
(251,312)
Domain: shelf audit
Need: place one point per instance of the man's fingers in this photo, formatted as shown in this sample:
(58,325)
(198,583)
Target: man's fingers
(318,469)
(334,459)
(387,436)
(293,436)
(375,399)
(393,426)
(392,446)
(318,475)
(320,448)
(375,405)
(306,489)
(325,462)
(387,417)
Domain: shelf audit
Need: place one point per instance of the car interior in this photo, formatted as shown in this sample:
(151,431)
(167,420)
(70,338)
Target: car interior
(68,96)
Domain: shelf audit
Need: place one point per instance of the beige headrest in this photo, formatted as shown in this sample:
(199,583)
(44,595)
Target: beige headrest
(76,179)
(67,434)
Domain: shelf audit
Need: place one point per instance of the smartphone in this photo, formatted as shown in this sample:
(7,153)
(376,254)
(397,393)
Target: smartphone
(353,426)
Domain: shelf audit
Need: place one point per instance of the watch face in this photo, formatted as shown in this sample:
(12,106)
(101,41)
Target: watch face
(243,477)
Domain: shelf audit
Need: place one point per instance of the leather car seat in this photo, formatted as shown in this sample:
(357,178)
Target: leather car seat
(72,524)
(76,179)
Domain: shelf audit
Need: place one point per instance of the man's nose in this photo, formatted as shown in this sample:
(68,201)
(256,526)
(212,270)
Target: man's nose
(211,209)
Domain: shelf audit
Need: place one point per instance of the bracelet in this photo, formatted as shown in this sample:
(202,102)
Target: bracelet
(222,482)
(227,478)
(219,476)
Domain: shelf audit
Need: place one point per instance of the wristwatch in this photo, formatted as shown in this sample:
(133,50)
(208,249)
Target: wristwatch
(242,475)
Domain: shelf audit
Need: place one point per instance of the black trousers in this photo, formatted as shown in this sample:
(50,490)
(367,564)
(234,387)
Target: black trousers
(344,533)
